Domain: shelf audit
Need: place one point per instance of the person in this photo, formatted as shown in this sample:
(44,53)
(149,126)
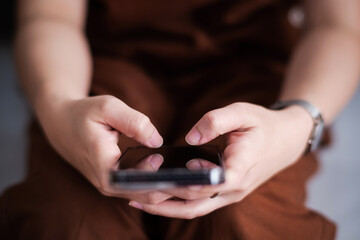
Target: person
(102,75)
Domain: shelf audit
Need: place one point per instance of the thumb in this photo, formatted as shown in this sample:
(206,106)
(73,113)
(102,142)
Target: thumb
(218,122)
(132,123)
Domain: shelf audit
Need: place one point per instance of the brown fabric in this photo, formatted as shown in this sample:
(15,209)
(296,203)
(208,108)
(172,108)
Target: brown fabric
(173,61)
(56,202)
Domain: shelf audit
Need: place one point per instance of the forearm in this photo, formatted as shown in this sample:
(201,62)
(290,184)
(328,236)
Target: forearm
(324,70)
(53,62)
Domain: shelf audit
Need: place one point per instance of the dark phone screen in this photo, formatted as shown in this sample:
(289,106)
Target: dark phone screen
(168,157)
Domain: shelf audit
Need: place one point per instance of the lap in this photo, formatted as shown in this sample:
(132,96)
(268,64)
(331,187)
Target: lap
(56,202)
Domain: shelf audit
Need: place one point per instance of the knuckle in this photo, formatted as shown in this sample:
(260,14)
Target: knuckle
(105,193)
(190,195)
(116,153)
(190,215)
(153,211)
(107,103)
(100,183)
(238,105)
(102,189)
(241,106)
(245,144)
(138,124)
(213,121)
(238,198)
(152,198)
(101,148)
(242,187)
(189,212)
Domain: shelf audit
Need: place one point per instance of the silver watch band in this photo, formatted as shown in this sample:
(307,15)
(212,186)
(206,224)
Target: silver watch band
(318,127)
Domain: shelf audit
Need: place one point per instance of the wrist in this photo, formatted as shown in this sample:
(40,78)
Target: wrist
(300,117)
(47,107)
(299,125)
(318,122)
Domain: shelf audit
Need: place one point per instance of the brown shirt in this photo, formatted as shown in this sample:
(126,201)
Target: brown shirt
(169,36)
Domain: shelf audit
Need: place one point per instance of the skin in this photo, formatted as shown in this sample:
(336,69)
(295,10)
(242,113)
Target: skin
(54,66)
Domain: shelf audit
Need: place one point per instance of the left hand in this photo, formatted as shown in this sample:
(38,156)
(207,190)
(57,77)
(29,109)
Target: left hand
(260,143)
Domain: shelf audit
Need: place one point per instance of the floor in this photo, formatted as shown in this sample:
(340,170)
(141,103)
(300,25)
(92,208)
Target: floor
(334,191)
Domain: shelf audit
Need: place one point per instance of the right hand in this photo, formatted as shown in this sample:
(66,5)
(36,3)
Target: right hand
(86,132)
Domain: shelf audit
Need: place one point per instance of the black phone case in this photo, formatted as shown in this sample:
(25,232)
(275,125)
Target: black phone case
(171,175)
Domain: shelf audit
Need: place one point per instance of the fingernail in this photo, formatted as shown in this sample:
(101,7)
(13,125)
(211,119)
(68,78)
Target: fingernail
(155,161)
(193,137)
(194,164)
(156,140)
(135,205)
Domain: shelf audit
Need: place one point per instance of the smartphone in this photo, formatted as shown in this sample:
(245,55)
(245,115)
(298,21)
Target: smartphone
(167,167)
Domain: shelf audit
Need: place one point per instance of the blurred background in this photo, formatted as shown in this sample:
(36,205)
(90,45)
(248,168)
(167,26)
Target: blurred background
(334,191)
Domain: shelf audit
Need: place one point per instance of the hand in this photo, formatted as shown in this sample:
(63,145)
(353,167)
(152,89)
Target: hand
(260,143)
(86,133)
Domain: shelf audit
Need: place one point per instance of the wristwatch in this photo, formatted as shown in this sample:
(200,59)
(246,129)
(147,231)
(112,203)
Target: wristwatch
(318,127)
